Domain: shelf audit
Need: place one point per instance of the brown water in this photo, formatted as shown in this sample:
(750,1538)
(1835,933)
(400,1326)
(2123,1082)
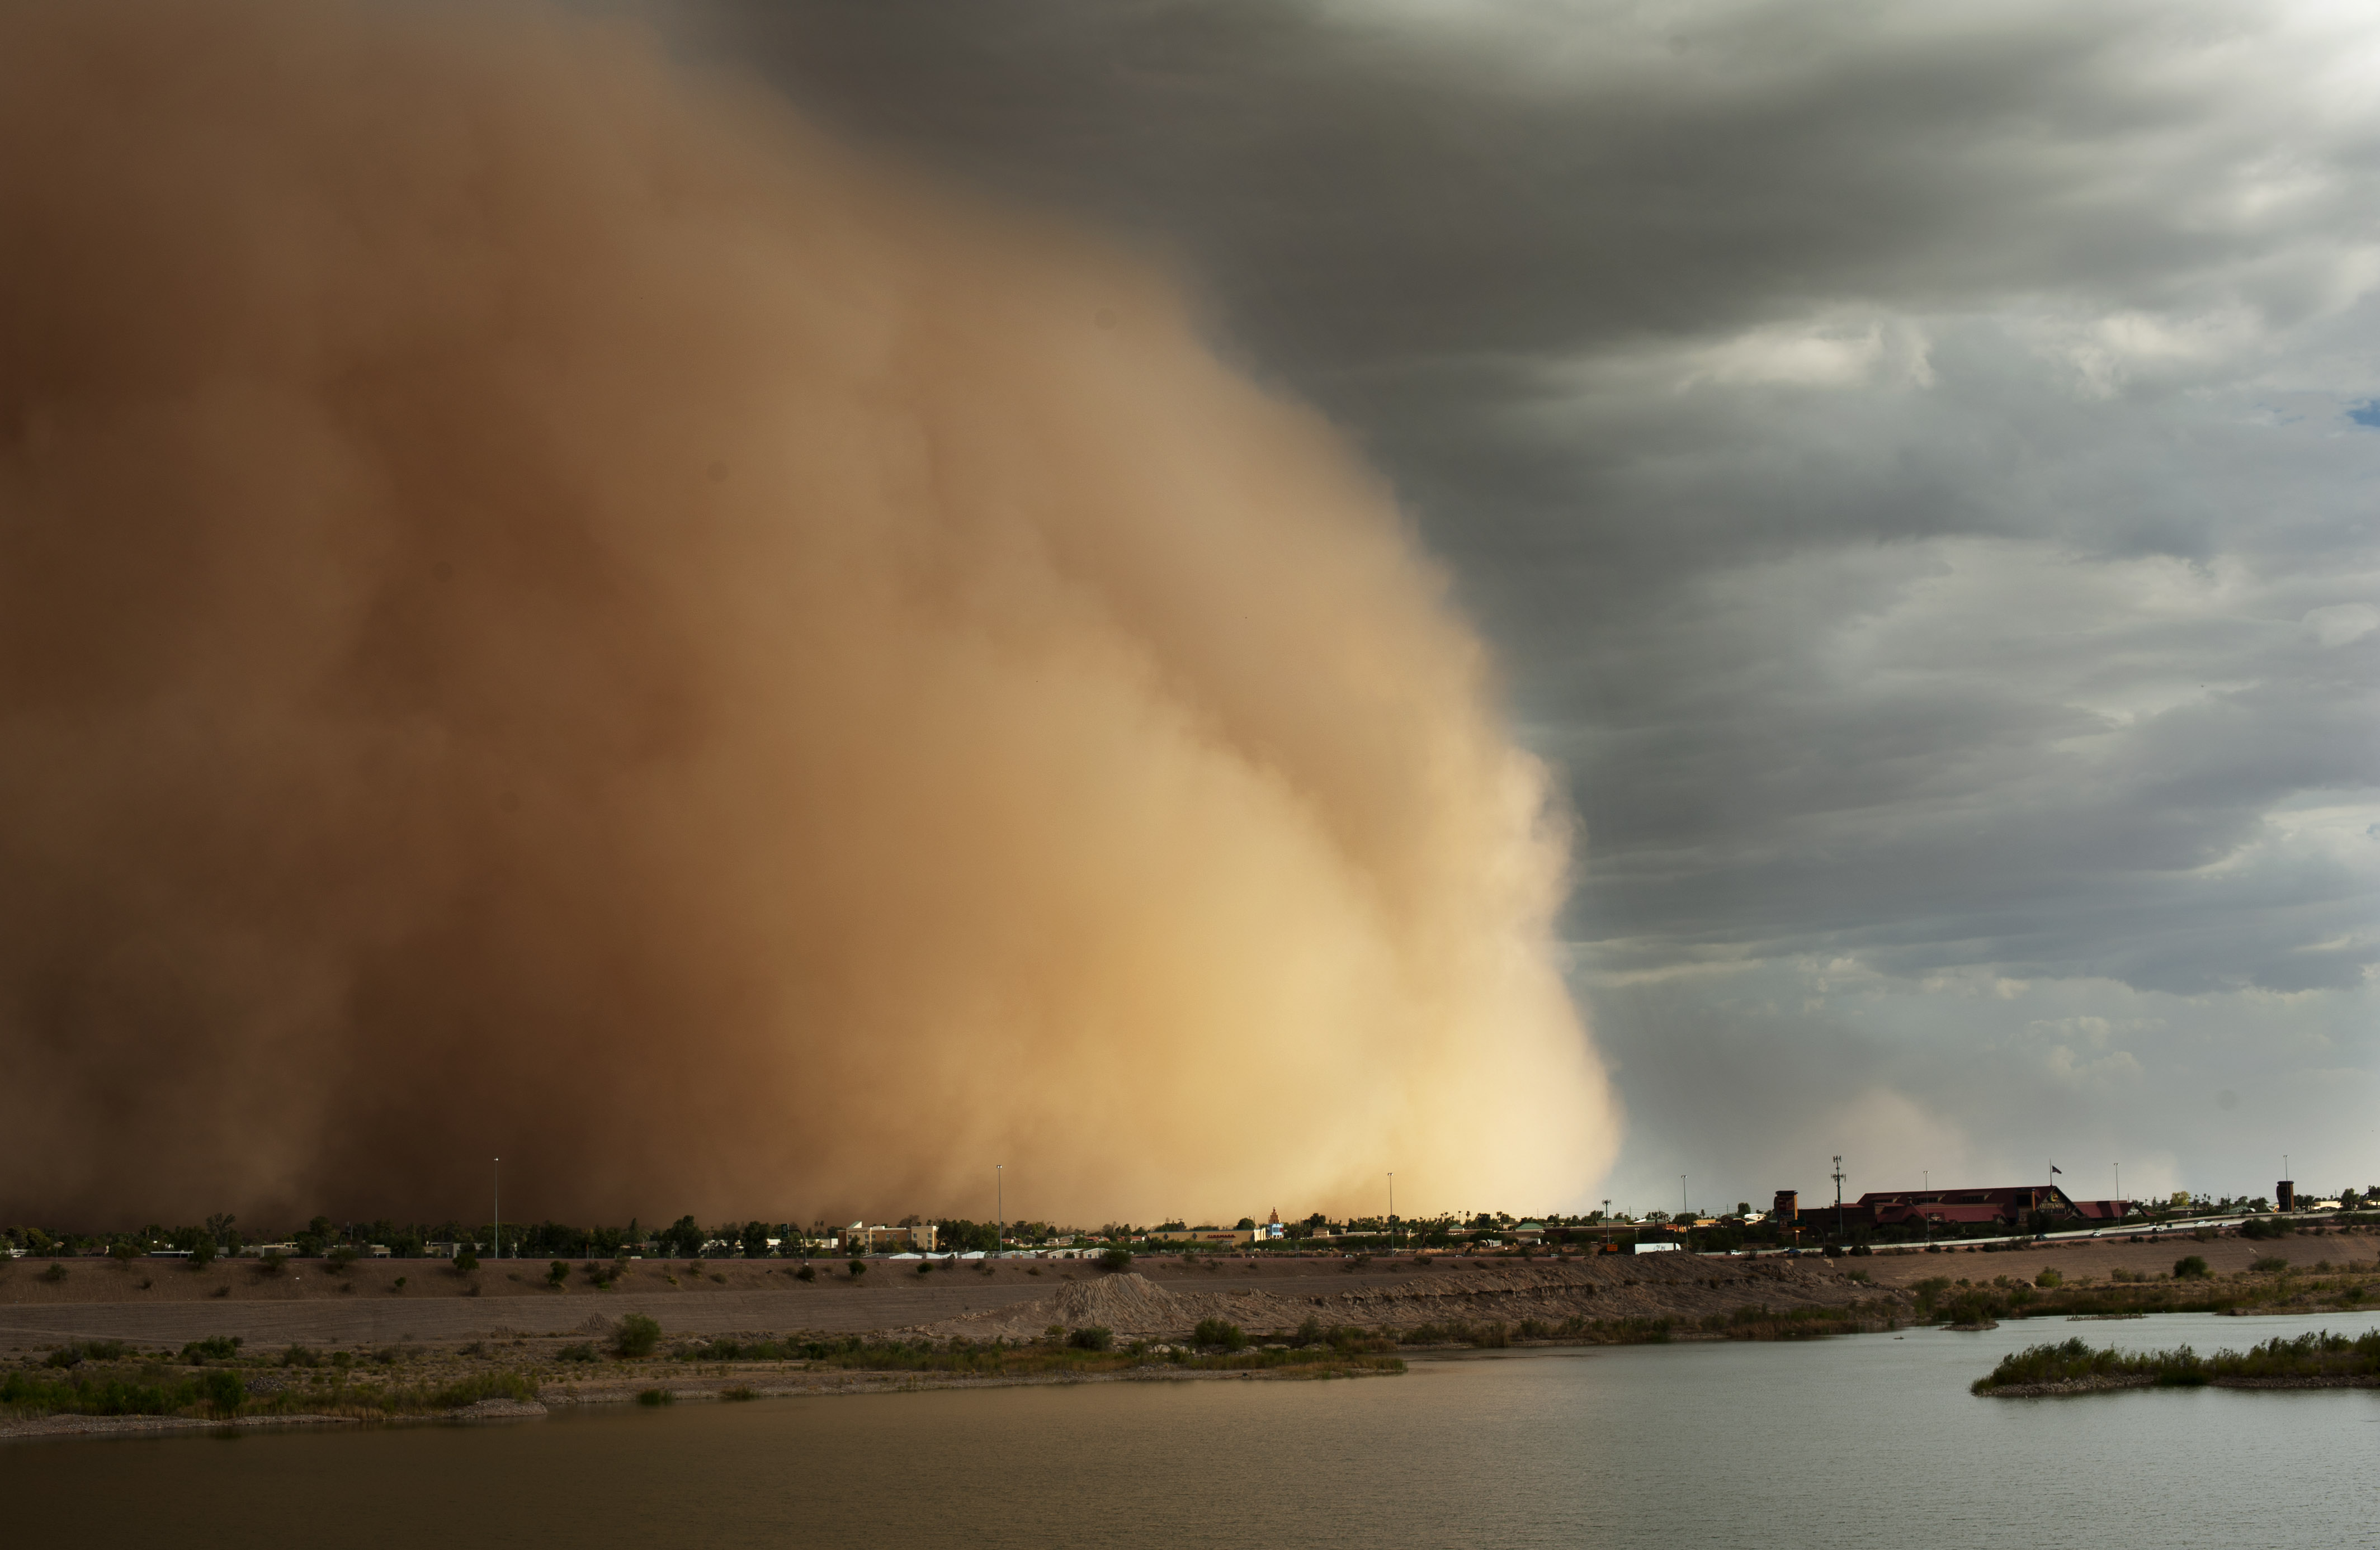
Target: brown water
(1870,1441)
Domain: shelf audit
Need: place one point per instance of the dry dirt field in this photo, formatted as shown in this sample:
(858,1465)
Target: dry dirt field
(2096,1257)
(307,1303)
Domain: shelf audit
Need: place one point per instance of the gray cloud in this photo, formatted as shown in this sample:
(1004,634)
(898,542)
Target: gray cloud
(1915,463)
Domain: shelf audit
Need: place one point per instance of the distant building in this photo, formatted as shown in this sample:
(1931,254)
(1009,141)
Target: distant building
(2010,1206)
(860,1238)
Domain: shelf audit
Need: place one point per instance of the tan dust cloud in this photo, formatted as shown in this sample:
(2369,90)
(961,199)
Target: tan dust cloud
(546,611)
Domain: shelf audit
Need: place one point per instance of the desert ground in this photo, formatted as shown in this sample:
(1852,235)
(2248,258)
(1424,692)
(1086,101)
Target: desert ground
(307,1302)
(2224,1254)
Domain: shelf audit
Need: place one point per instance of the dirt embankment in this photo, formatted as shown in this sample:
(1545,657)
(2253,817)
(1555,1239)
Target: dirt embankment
(1597,1289)
(2154,1258)
(307,1302)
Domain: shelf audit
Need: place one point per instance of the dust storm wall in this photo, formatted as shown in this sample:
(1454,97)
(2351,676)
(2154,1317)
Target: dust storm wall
(548,609)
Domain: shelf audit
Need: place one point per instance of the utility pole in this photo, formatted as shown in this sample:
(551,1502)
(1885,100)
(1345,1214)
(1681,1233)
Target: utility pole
(1000,1205)
(1392,1210)
(1838,1197)
(500,1209)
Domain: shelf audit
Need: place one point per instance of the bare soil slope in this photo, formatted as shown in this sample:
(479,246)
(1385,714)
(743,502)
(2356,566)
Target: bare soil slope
(2099,1257)
(307,1303)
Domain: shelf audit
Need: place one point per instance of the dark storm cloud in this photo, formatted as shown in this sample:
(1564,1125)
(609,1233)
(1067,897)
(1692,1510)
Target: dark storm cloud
(1912,459)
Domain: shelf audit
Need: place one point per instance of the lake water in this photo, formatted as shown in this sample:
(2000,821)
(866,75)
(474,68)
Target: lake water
(1868,1441)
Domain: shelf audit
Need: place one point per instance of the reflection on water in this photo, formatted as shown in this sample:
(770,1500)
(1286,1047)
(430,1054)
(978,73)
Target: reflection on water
(1867,1441)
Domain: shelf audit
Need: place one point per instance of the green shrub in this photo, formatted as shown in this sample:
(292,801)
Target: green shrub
(2189,1267)
(56,1273)
(466,1262)
(557,1273)
(924,1267)
(656,1396)
(737,1394)
(2271,1265)
(2049,1277)
(270,1263)
(806,1273)
(1116,1258)
(635,1334)
(1310,1333)
(583,1351)
(1215,1332)
(859,1268)
(301,1356)
(203,1254)
(217,1348)
(340,1259)
(75,1353)
(1092,1336)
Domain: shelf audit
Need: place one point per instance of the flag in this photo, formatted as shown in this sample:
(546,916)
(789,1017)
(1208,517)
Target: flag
(2055,1169)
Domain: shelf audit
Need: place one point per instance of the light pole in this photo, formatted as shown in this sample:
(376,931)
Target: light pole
(500,1209)
(1392,1210)
(1000,1205)
(1682,1196)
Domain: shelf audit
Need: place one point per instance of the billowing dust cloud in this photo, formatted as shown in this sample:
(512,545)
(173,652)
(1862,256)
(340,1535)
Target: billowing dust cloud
(548,612)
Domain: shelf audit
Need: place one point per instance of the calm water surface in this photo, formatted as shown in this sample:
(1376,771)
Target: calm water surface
(1845,1442)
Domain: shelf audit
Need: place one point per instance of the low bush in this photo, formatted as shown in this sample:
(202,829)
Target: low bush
(75,1352)
(1092,1336)
(340,1259)
(216,1348)
(556,1274)
(1117,1258)
(806,1274)
(2049,1278)
(466,1262)
(1217,1332)
(222,1390)
(301,1356)
(270,1263)
(583,1351)
(2271,1265)
(2189,1267)
(656,1396)
(859,1268)
(56,1273)
(737,1394)
(635,1334)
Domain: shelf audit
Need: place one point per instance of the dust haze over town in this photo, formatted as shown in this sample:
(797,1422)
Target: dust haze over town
(775,605)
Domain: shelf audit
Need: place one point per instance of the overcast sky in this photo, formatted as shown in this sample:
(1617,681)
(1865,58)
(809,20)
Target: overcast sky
(1917,462)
